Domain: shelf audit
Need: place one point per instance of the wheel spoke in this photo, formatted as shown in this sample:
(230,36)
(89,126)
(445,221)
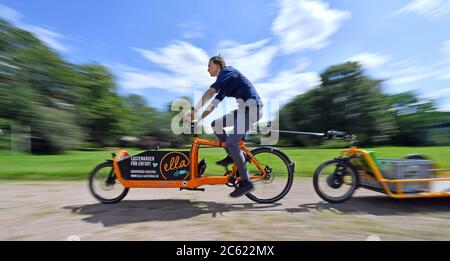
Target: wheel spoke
(279,177)
(335,182)
(104,186)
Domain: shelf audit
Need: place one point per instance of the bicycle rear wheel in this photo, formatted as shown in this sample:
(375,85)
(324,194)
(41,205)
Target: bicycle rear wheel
(279,179)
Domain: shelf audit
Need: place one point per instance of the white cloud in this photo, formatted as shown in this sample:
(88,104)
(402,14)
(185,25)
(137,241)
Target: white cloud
(445,75)
(185,69)
(445,107)
(306,24)
(184,64)
(437,94)
(426,8)
(371,60)
(412,76)
(192,30)
(136,80)
(446,48)
(287,84)
(298,25)
(9,14)
(283,87)
(441,97)
(51,38)
(411,72)
(179,57)
(252,59)
(408,74)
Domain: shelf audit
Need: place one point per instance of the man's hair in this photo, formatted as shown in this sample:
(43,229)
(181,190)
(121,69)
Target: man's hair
(218,59)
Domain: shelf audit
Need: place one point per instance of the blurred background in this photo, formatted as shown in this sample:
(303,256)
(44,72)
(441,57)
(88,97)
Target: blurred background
(78,79)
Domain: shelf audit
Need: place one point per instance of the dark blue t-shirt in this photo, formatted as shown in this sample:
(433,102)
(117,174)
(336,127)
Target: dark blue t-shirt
(232,83)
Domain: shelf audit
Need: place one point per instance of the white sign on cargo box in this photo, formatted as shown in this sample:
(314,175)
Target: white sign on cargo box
(440,186)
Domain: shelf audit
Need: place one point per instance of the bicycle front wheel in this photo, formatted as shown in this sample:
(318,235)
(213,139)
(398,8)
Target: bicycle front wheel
(335,181)
(279,179)
(104,186)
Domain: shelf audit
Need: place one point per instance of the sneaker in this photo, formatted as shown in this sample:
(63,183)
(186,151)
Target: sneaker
(226,161)
(243,188)
(201,167)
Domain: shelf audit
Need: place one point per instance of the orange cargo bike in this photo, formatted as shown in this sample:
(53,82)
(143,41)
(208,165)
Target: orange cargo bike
(271,172)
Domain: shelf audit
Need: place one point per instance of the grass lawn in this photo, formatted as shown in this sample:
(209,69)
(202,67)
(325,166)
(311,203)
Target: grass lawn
(76,165)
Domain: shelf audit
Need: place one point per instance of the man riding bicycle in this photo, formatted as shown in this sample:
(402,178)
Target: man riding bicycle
(232,83)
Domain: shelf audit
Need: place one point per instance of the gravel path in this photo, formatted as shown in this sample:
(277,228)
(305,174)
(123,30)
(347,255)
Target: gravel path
(66,210)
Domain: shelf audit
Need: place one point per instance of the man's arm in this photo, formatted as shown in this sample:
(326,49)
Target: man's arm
(206,97)
(209,109)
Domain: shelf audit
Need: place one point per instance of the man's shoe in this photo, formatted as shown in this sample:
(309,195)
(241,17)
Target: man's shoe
(201,167)
(243,188)
(226,161)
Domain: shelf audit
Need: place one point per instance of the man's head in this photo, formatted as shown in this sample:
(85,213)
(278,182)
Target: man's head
(216,63)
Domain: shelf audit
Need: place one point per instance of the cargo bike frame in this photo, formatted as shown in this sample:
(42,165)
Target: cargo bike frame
(265,164)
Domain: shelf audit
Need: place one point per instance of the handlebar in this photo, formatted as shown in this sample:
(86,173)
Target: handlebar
(332,134)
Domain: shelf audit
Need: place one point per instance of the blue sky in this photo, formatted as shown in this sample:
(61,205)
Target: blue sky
(160,49)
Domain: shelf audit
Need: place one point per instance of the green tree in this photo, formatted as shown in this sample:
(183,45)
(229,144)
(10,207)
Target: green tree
(99,108)
(346,100)
(35,89)
(140,118)
(413,116)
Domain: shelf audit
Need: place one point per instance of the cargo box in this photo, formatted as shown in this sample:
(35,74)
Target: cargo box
(403,169)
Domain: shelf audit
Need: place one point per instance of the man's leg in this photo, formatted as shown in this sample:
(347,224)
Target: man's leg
(233,145)
(217,126)
(242,124)
(247,117)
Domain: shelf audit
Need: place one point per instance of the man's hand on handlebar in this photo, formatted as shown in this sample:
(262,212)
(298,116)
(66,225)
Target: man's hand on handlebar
(187,116)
